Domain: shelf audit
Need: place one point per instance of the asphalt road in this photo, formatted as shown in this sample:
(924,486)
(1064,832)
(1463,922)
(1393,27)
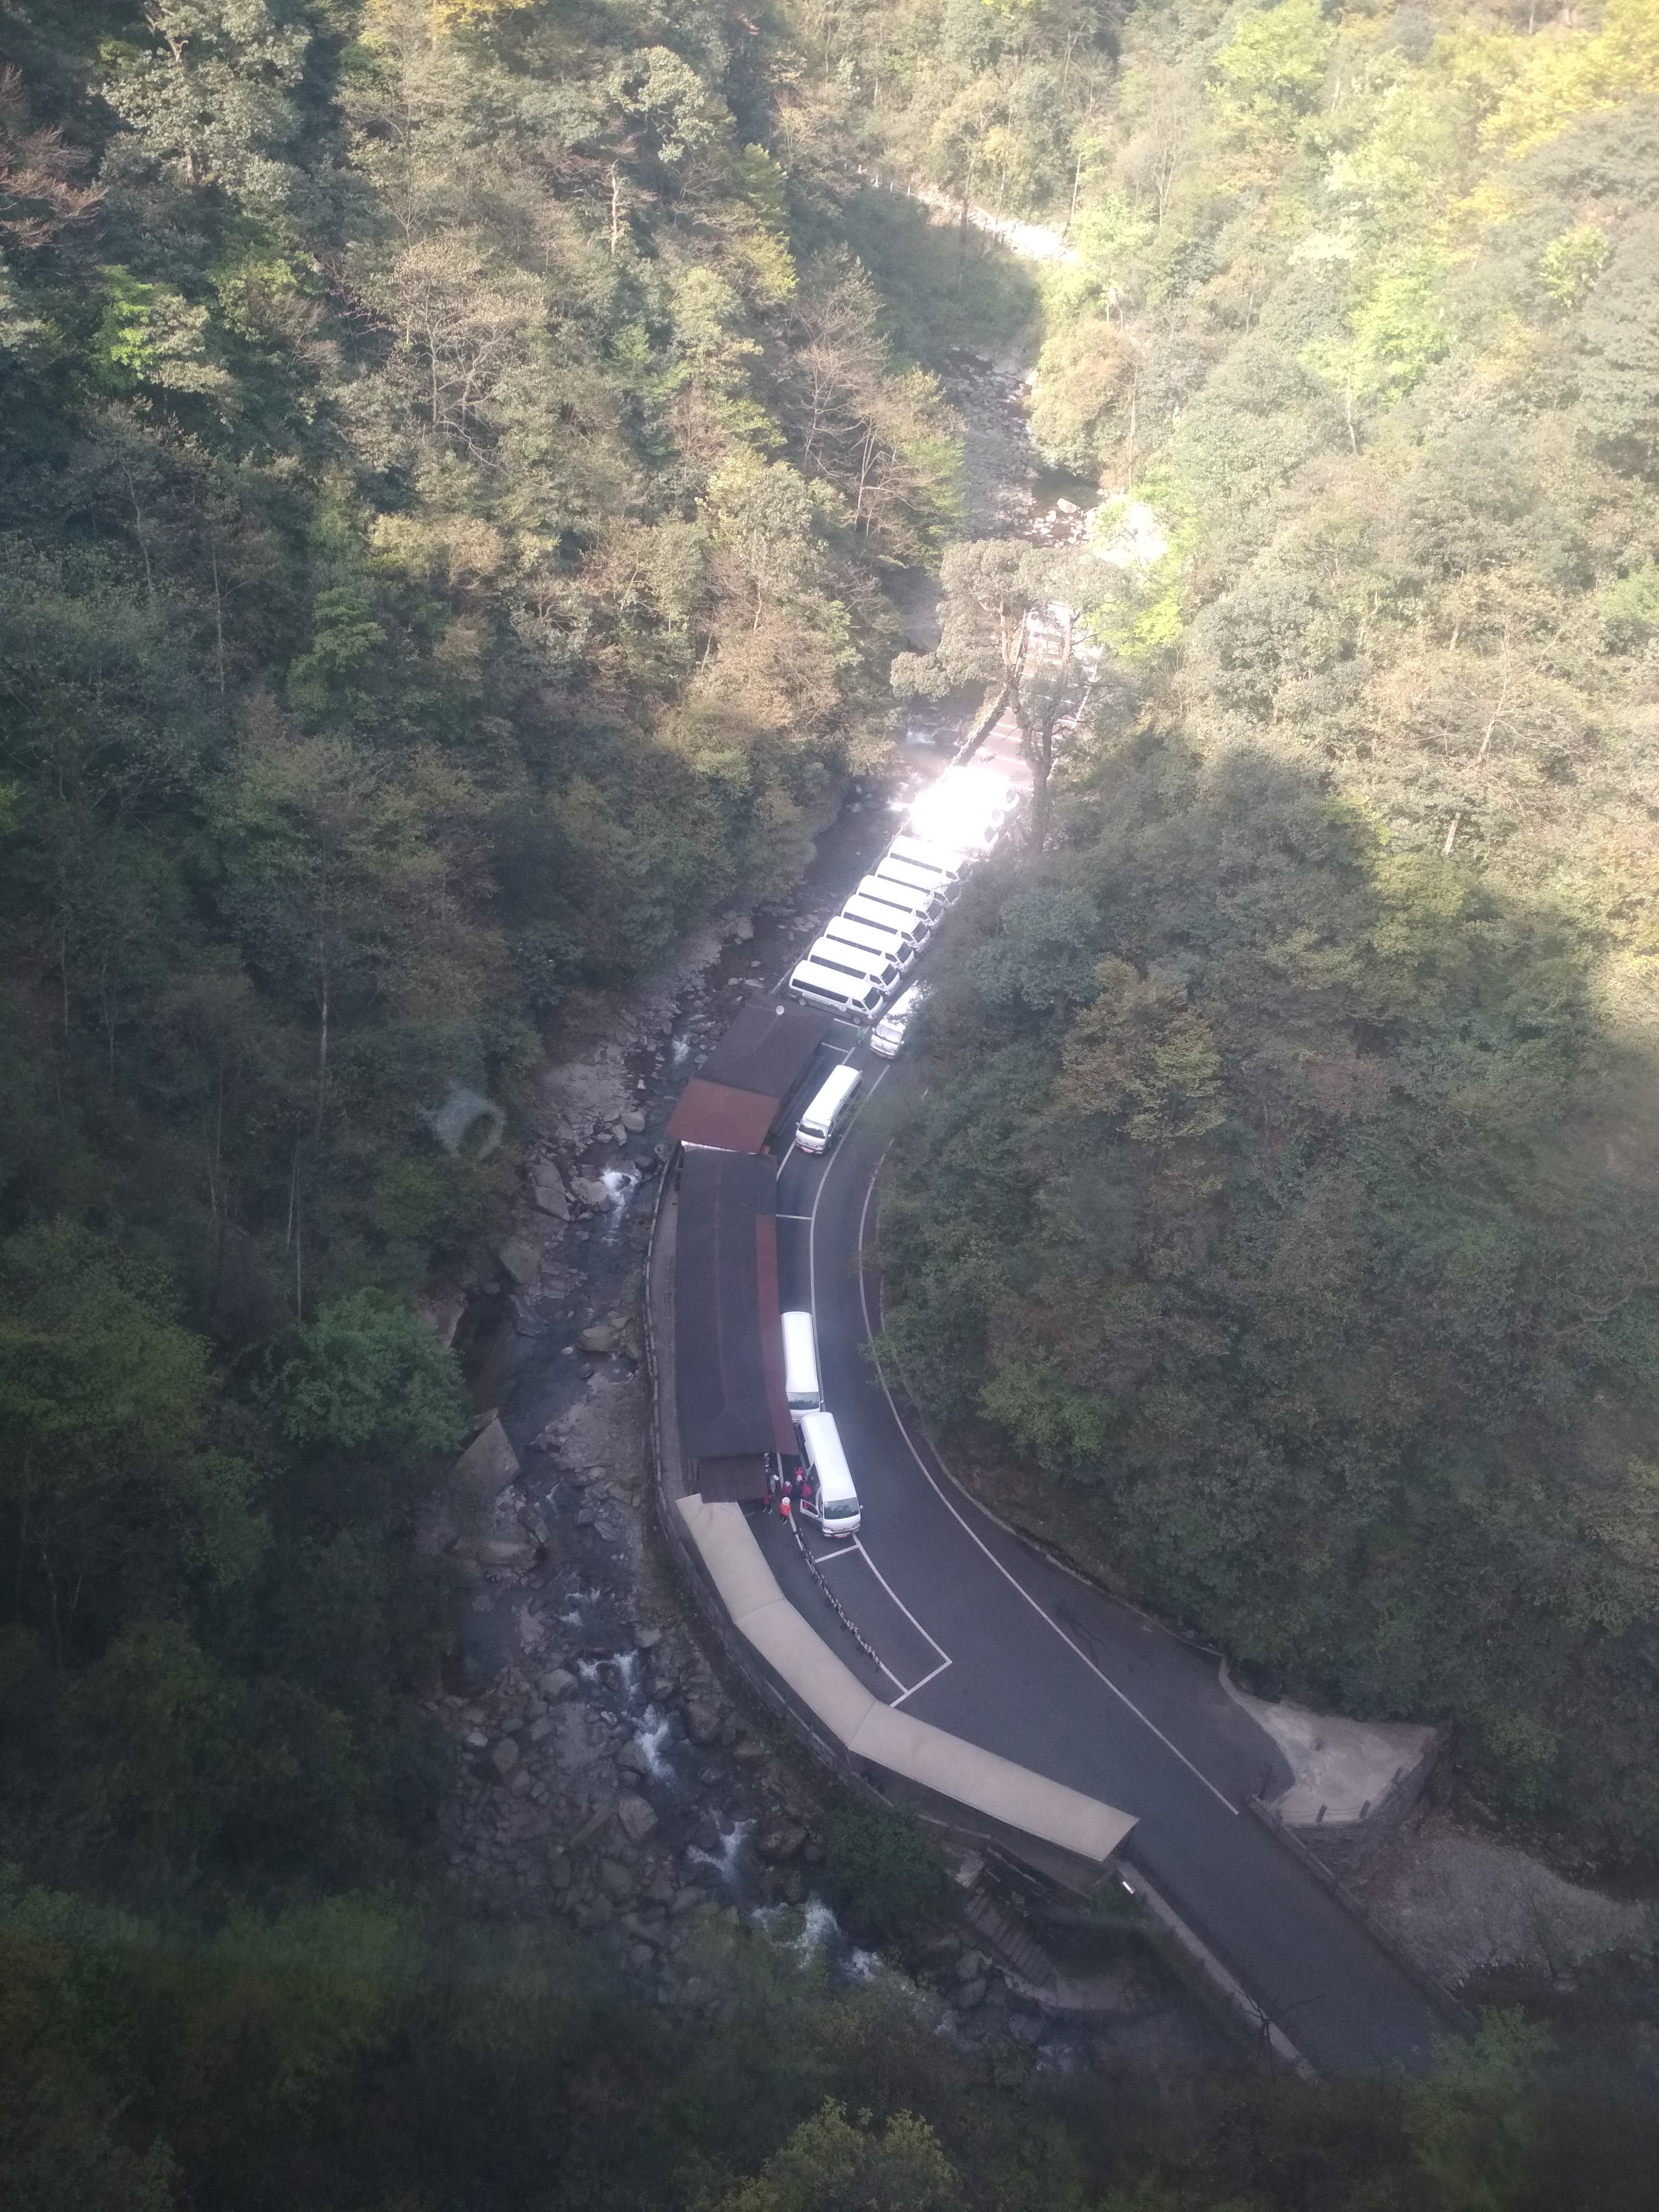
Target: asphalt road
(981,1636)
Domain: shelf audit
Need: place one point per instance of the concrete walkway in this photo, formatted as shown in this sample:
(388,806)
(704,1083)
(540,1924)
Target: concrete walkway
(870,1729)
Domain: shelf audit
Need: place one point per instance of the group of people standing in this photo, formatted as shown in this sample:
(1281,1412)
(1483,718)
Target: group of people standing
(788,1492)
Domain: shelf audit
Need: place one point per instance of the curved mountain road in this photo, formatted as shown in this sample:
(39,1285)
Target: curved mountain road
(980,1635)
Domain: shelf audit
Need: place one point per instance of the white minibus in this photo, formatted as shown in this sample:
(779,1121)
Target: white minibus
(888,870)
(898,922)
(831,1106)
(838,991)
(947,864)
(856,959)
(888,1035)
(926,906)
(801,1386)
(833,1502)
(888,944)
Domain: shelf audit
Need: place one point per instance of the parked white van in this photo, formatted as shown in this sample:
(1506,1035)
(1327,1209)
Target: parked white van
(905,873)
(902,922)
(926,906)
(836,990)
(945,861)
(829,1109)
(856,959)
(888,1035)
(801,1386)
(833,1502)
(886,944)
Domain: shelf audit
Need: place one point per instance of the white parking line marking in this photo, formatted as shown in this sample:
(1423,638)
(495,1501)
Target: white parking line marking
(864,1300)
(791,1217)
(902,1606)
(921,1684)
(856,1548)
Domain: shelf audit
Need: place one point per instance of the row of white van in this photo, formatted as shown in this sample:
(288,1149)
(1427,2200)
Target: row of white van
(875,941)
(862,956)
(832,1501)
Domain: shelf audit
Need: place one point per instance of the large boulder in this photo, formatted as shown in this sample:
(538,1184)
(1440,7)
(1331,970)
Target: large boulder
(521,1258)
(620,1883)
(701,1717)
(597,1338)
(781,1843)
(489,1463)
(551,1195)
(635,1817)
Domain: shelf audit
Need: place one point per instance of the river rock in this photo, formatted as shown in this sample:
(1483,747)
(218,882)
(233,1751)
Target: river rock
(557,1683)
(631,1760)
(597,1338)
(969,1995)
(636,1817)
(504,1756)
(551,1195)
(505,1551)
(781,1843)
(589,1191)
(620,1883)
(633,1121)
(521,1256)
(489,1463)
(701,1717)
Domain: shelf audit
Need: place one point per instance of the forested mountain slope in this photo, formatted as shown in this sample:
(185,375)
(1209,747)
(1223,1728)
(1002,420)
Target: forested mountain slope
(444,478)
(439,567)
(446,471)
(449,450)
(1289,1194)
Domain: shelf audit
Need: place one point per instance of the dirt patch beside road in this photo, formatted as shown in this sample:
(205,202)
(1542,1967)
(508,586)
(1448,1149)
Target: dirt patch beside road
(1462,1905)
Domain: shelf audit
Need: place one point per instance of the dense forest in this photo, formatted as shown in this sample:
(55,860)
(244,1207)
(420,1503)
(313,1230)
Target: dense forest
(1286,1201)
(446,482)
(451,455)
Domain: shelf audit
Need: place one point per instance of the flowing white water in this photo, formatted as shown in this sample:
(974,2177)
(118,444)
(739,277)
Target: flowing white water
(820,1930)
(651,1735)
(621,1183)
(724,1860)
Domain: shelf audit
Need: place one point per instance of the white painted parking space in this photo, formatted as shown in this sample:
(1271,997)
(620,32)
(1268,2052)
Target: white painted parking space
(870,1617)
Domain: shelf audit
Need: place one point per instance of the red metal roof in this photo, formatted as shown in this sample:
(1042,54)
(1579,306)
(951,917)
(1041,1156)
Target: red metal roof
(715,1114)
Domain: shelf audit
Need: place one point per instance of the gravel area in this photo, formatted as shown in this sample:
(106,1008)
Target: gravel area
(1462,1904)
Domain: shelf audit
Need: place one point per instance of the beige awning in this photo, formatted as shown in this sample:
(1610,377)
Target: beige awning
(905,1746)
